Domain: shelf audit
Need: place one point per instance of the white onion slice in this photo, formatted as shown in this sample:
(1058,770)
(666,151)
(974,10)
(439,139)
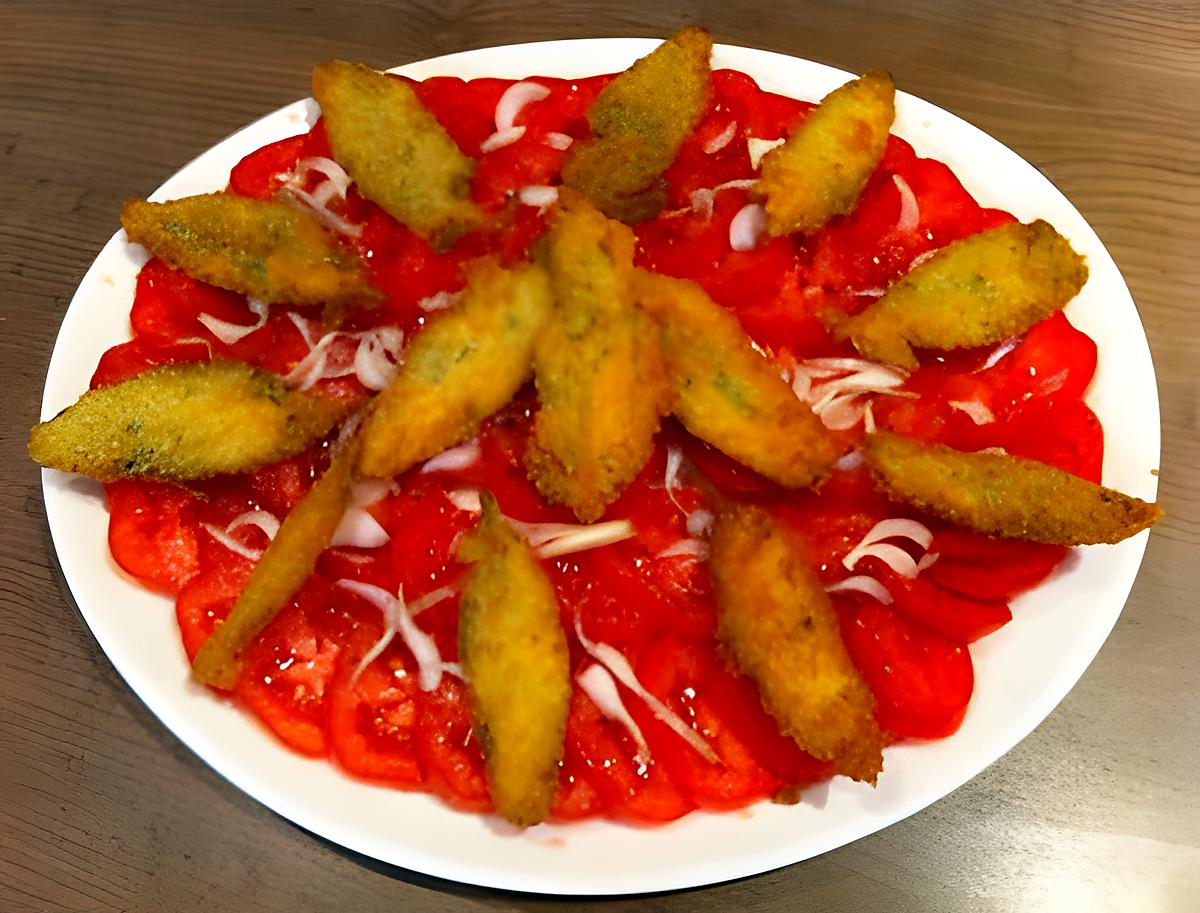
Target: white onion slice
(501,138)
(852,460)
(439,301)
(869,292)
(862,584)
(325,216)
(928,560)
(873,546)
(598,684)
(465,499)
(397,620)
(619,666)
(738,184)
(302,325)
(671,474)
(264,520)
(429,600)
(358,529)
(366,492)
(747,226)
(893,556)
(559,141)
(721,140)
(696,549)
(585,538)
(539,195)
(922,258)
(999,352)
(978,412)
(231,333)
(868,419)
(760,147)
(455,459)
(699,522)
(910,213)
(378,356)
(514,99)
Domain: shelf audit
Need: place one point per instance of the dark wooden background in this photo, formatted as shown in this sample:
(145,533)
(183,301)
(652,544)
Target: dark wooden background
(102,810)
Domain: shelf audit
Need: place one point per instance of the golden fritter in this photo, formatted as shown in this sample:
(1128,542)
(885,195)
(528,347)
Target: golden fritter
(726,393)
(181,422)
(979,290)
(825,163)
(1004,496)
(267,249)
(638,122)
(463,366)
(280,572)
(515,661)
(778,624)
(398,154)
(600,378)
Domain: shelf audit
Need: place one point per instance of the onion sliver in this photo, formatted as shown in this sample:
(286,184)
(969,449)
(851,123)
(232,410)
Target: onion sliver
(514,99)
(358,529)
(721,140)
(978,412)
(397,620)
(862,584)
(760,147)
(501,138)
(454,459)
(598,684)
(696,549)
(910,214)
(747,226)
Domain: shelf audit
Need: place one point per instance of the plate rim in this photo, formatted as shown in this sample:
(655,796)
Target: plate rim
(695,873)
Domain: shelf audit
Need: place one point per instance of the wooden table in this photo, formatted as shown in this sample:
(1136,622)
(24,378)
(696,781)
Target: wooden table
(103,810)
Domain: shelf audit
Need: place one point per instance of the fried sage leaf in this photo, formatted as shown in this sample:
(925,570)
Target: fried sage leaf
(600,377)
(638,122)
(1001,495)
(514,658)
(728,394)
(181,422)
(979,290)
(822,168)
(463,366)
(267,249)
(280,572)
(398,154)
(781,629)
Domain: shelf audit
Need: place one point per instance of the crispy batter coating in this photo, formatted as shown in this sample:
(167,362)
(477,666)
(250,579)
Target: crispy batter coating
(777,622)
(465,364)
(601,382)
(638,122)
(181,422)
(514,658)
(979,290)
(824,165)
(280,572)
(268,249)
(398,154)
(726,393)
(1004,496)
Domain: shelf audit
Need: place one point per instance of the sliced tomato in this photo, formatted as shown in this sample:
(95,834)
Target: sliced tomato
(448,752)
(960,618)
(257,175)
(128,359)
(168,303)
(152,532)
(207,599)
(922,682)
(989,569)
(577,796)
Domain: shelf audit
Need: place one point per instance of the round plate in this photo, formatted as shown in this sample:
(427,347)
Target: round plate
(1022,671)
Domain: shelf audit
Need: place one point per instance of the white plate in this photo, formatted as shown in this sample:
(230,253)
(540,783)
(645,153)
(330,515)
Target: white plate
(1023,671)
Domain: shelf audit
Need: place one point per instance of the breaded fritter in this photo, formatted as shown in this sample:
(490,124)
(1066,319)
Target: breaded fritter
(825,163)
(398,154)
(267,249)
(979,290)
(280,572)
(1004,496)
(601,383)
(181,422)
(463,366)
(638,122)
(729,395)
(776,621)
(515,661)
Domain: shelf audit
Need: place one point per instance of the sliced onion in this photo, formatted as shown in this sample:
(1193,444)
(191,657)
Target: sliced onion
(358,529)
(430,599)
(928,560)
(702,202)
(378,356)
(585,538)
(439,301)
(264,520)
(739,184)
(336,178)
(841,412)
(455,459)
(366,492)
(671,475)
(922,258)
(861,584)
(899,528)
(305,330)
(893,556)
(699,522)
(619,666)
(721,140)
(501,138)
(910,213)
(465,499)
(747,226)
(1052,383)
(868,419)
(999,352)
(978,412)
(760,147)
(514,99)
(696,549)
(539,195)
(324,215)
(869,292)
(559,141)
(397,620)
(852,460)
(847,364)
(598,684)
(873,546)
(231,333)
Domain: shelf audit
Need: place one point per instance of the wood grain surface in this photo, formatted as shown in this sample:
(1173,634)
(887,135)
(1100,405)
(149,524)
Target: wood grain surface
(101,809)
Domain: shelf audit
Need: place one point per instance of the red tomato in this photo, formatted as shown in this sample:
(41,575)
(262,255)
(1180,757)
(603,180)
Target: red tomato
(957,617)
(128,359)
(207,599)
(152,532)
(577,796)
(257,175)
(921,681)
(449,755)
(989,569)
(168,302)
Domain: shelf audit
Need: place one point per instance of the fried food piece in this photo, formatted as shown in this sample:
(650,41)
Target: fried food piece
(778,624)
(398,154)
(979,290)
(466,364)
(1004,496)
(638,122)
(280,572)
(600,377)
(726,393)
(825,163)
(267,249)
(181,422)
(514,658)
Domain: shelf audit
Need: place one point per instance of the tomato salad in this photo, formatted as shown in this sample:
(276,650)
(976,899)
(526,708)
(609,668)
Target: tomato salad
(325,677)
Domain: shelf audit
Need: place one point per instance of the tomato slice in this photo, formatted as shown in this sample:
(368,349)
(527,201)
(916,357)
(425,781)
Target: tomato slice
(152,532)
(257,175)
(129,359)
(988,569)
(577,796)
(960,618)
(207,599)
(922,682)
(447,750)
(168,302)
